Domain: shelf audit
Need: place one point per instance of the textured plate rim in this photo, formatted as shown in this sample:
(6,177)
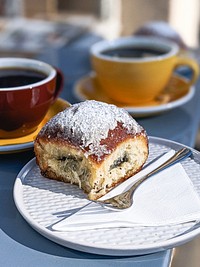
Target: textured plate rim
(102,249)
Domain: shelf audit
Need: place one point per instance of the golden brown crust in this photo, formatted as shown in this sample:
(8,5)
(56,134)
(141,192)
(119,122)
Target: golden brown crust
(98,170)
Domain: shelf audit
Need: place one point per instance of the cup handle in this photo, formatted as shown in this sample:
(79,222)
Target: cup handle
(192,64)
(59,83)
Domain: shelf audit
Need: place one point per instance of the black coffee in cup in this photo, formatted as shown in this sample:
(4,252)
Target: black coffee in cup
(14,77)
(134,52)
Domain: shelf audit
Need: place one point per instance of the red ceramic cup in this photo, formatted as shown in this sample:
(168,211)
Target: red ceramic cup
(27,89)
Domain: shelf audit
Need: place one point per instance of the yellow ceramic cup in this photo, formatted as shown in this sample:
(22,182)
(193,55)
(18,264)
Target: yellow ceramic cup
(135,70)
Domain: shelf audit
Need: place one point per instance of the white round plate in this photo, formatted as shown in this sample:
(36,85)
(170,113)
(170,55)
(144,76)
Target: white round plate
(43,202)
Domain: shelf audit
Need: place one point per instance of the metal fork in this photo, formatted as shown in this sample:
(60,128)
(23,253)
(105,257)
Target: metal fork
(125,199)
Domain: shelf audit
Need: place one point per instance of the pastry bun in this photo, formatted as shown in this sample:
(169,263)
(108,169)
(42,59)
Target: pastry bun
(92,144)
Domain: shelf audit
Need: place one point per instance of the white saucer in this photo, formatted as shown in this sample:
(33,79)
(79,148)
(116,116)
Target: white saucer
(175,94)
